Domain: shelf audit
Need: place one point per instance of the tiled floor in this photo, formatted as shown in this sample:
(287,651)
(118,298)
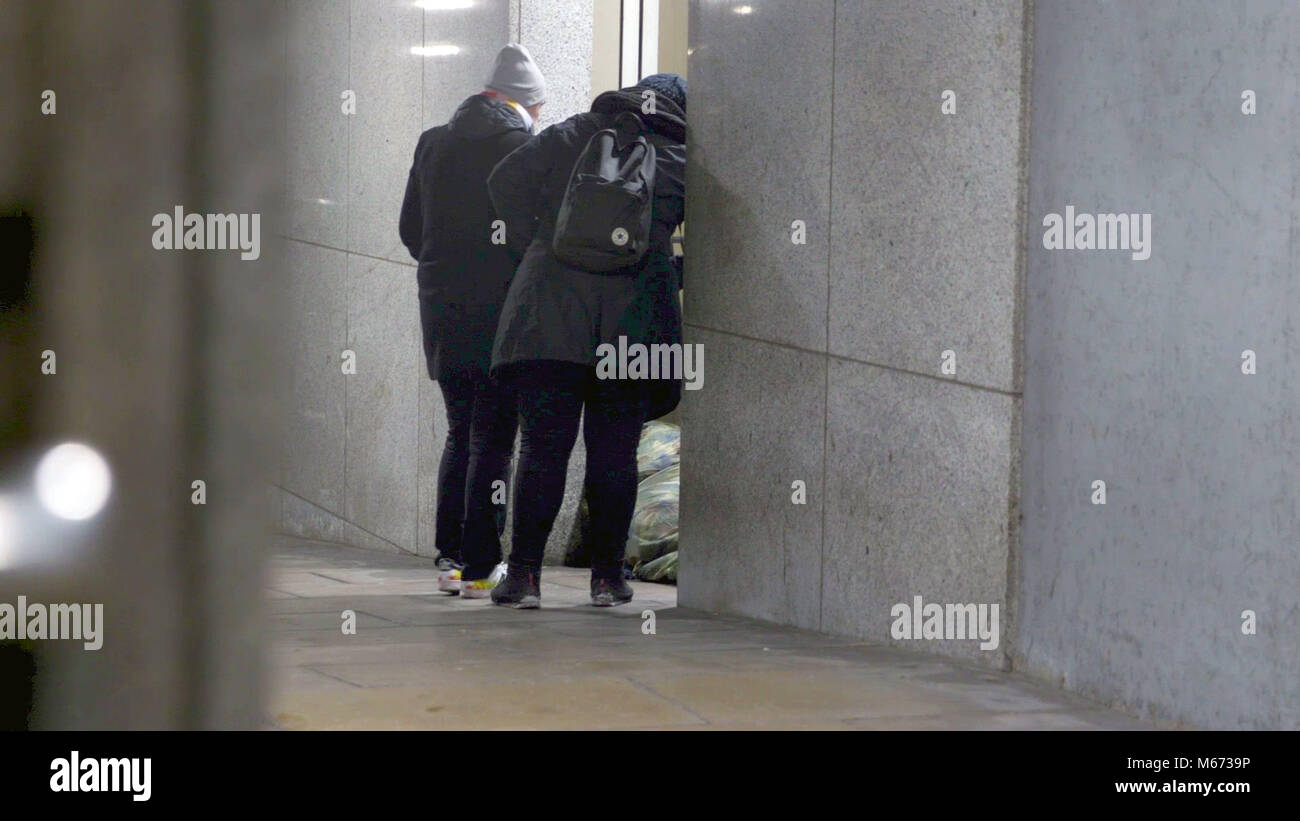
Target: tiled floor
(425,660)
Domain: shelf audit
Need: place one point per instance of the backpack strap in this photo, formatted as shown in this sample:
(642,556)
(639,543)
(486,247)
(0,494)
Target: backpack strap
(627,127)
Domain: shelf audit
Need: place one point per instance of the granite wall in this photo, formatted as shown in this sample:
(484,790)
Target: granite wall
(824,351)
(1134,369)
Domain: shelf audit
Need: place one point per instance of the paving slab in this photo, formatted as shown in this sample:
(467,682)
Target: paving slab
(421,659)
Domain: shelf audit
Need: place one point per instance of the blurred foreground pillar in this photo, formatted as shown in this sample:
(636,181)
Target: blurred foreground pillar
(164,357)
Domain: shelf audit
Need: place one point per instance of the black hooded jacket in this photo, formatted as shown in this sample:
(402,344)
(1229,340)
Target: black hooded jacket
(561,313)
(446,224)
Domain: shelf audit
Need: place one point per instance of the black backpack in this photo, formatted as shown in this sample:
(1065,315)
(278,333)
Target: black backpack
(604,219)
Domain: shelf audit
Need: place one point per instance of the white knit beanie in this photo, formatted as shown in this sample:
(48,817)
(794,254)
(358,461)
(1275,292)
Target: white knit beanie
(516,76)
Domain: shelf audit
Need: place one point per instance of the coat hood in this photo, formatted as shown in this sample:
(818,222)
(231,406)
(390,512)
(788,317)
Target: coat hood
(668,119)
(482,116)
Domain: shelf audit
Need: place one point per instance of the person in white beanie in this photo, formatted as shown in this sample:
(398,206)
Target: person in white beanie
(463,275)
(517,80)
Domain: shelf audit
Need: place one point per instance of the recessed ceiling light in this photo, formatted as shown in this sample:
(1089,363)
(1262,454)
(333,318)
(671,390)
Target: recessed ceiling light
(435,51)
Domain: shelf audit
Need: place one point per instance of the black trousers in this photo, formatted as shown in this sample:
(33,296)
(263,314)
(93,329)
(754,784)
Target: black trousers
(552,397)
(481,424)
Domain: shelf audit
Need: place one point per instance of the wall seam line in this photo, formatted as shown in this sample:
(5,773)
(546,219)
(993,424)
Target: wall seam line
(853,360)
(826,362)
(346,251)
(1016,443)
(419,421)
(342,518)
(347,263)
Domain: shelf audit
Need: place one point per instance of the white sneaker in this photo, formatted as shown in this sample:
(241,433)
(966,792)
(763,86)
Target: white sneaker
(482,588)
(449,576)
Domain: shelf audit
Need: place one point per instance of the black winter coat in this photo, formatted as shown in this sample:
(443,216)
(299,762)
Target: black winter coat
(446,224)
(557,312)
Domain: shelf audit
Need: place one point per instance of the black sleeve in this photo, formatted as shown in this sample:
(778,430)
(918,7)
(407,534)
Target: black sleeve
(517,187)
(411,223)
(670,196)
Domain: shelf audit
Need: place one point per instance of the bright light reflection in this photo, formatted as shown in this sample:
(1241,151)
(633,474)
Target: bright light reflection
(73,481)
(8,533)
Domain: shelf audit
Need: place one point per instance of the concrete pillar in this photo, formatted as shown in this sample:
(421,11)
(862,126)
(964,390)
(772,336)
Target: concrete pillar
(824,358)
(559,35)
(925,235)
(1134,368)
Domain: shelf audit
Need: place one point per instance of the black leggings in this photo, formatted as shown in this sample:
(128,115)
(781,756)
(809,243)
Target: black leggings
(481,426)
(551,400)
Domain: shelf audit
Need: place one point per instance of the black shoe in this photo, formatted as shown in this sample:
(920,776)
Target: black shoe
(519,589)
(610,592)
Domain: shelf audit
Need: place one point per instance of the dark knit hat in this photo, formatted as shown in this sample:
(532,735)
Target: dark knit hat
(671,86)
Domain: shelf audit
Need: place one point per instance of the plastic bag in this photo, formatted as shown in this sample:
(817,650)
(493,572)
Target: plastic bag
(662,569)
(659,448)
(653,531)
